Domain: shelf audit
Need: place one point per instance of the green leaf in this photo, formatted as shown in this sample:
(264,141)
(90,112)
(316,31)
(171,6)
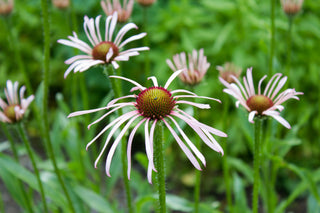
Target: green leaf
(26,176)
(93,200)
(241,167)
(178,203)
(240,195)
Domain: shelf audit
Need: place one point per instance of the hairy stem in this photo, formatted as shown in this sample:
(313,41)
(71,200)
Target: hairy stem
(256,164)
(109,70)
(160,166)
(46,69)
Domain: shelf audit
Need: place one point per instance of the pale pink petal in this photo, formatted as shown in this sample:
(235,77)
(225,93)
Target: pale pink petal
(280,85)
(201,106)
(172,77)
(123,31)
(76,58)
(259,85)
(129,80)
(185,149)
(75,45)
(112,25)
(276,115)
(116,142)
(115,64)
(3,104)
(132,38)
(251,116)
(117,99)
(129,146)
(116,125)
(105,115)
(192,96)
(191,145)
(171,65)
(4,118)
(154,81)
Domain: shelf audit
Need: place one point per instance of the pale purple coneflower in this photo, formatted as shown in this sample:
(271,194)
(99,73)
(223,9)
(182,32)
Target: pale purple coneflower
(291,7)
(14,109)
(102,51)
(146,3)
(124,11)
(267,103)
(6,7)
(150,106)
(227,70)
(61,4)
(194,68)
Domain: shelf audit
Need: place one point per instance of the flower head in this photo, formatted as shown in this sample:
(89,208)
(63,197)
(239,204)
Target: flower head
(6,7)
(267,103)
(148,107)
(103,51)
(228,70)
(61,4)
(146,3)
(291,7)
(124,12)
(13,110)
(194,69)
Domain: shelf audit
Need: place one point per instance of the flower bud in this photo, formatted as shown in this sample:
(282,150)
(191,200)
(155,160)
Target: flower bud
(146,3)
(6,7)
(228,70)
(61,4)
(291,7)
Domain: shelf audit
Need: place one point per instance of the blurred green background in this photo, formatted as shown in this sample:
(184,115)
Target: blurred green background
(229,30)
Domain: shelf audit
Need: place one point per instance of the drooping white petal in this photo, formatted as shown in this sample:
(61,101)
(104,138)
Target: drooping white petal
(172,77)
(276,115)
(201,106)
(191,145)
(251,116)
(154,80)
(129,146)
(116,142)
(129,80)
(184,148)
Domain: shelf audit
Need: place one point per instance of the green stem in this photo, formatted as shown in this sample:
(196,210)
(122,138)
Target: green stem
(147,73)
(109,70)
(160,163)
(46,69)
(272,42)
(197,186)
(256,164)
(289,51)
(225,165)
(26,142)
(16,157)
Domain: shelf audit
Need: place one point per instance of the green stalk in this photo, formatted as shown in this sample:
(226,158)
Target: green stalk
(197,186)
(272,42)
(225,165)
(160,165)
(109,70)
(1,203)
(197,183)
(289,50)
(26,142)
(16,157)
(46,69)
(256,164)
